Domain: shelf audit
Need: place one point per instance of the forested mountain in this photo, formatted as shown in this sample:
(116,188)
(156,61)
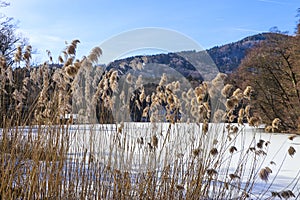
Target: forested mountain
(226,57)
(229,56)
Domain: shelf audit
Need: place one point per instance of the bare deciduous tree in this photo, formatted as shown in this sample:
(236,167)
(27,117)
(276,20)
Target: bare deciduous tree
(9,39)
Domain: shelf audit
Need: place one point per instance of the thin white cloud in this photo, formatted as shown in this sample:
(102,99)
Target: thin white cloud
(42,42)
(274,2)
(248,30)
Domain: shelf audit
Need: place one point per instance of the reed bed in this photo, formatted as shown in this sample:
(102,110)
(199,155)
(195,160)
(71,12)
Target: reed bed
(195,149)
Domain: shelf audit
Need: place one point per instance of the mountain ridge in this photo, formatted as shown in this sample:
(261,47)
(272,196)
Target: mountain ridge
(226,57)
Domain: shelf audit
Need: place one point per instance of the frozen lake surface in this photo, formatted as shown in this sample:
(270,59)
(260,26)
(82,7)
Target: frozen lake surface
(127,152)
(131,147)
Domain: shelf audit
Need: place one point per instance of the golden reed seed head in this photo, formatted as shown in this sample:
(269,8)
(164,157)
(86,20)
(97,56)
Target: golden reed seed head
(286,194)
(247,110)
(105,84)
(161,95)
(69,62)
(179,187)
(29,48)
(248,91)
(231,118)
(194,102)
(201,108)
(241,113)
(275,123)
(17,57)
(176,100)
(148,99)
(269,129)
(194,109)
(238,93)
(211,172)
(129,78)
(170,99)
(114,86)
(163,80)
(234,176)
(60,60)
(77,64)
(71,70)
(218,81)
(142,96)
(71,50)
(114,73)
(154,141)
(169,87)
(292,137)
(260,144)
(196,152)
(19,49)
(172,106)
(240,120)
(234,129)
(232,149)
(113,77)
(122,65)
(254,121)
(199,91)
(200,99)
(139,81)
(75,42)
(190,93)
(226,91)
(144,59)
(95,54)
(176,85)
(205,84)
(231,103)
(265,173)
(27,56)
(292,151)
(139,66)
(145,111)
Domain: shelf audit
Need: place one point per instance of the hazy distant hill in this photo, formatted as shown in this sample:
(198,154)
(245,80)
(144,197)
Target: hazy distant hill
(223,58)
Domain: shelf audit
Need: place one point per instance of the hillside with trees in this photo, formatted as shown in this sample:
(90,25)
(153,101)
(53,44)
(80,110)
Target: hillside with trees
(229,56)
(272,68)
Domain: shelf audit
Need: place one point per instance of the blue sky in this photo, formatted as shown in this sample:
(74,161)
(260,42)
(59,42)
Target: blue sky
(48,24)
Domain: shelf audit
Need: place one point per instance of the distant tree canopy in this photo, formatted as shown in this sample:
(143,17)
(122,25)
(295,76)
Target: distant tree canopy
(273,70)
